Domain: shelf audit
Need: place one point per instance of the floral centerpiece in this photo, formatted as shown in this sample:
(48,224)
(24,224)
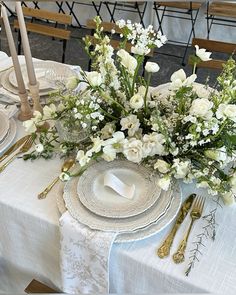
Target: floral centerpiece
(185,132)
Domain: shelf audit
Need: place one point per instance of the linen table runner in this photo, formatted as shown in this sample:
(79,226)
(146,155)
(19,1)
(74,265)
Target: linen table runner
(84,257)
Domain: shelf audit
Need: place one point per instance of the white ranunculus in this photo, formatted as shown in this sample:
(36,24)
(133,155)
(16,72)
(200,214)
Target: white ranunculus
(203,54)
(127,60)
(64,176)
(181,168)
(94,78)
(71,83)
(152,67)
(30,126)
(131,123)
(226,111)
(162,166)
(201,107)
(136,101)
(201,91)
(82,158)
(133,150)
(178,75)
(164,183)
(219,155)
(39,148)
(153,144)
(109,153)
(228,198)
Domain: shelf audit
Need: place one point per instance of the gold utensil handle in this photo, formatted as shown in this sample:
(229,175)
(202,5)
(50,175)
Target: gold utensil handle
(178,257)
(44,193)
(8,162)
(164,249)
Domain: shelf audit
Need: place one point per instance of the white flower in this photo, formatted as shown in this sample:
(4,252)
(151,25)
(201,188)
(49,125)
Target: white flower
(109,153)
(181,168)
(71,83)
(39,148)
(49,111)
(133,150)
(107,130)
(139,50)
(127,60)
(97,144)
(226,111)
(219,155)
(153,144)
(30,126)
(162,166)
(152,67)
(179,79)
(203,54)
(82,158)
(64,176)
(136,101)
(233,183)
(94,78)
(116,141)
(131,123)
(201,107)
(228,198)
(201,91)
(164,183)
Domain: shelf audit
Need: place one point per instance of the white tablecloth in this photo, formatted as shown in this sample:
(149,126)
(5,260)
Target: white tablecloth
(29,244)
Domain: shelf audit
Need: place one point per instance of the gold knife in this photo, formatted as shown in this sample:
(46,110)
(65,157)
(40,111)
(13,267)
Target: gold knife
(164,249)
(14,147)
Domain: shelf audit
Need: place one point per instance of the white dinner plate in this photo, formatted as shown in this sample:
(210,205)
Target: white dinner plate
(10,136)
(104,201)
(46,72)
(4,126)
(94,221)
(6,62)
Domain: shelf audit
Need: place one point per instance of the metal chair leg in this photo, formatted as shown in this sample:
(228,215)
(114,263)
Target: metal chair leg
(19,43)
(64,50)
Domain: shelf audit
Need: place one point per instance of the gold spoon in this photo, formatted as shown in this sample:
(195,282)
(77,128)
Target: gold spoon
(65,167)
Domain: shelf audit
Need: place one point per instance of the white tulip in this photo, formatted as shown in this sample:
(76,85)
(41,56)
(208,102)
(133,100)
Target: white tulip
(162,166)
(136,101)
(127,60)
(203,54)
(152,67)
(164,183)
(94,78)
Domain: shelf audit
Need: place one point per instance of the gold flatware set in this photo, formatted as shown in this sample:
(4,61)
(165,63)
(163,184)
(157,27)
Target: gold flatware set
(195,204)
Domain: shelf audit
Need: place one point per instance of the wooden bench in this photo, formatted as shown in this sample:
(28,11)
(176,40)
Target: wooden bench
(213,46)
(45,29)
(180,4)
(38,287)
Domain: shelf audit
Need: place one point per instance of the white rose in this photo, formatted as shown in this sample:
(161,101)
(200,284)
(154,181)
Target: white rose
(64,176)
(131,123)
(203,54)
(71,82)
(162,166)
(181,168)
(219,155)
(30,126)
(136,101)
(94,78)
(201,107)
(153,144)
(164,183)
(133,150)
(201,91)
(152,67)
(228,198)
(127,60)
(226,111)
(39,148)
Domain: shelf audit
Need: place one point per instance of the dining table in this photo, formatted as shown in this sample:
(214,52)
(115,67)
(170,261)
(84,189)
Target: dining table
(30,240)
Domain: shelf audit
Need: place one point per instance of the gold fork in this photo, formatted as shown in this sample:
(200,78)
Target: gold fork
(195,214)
(25,147)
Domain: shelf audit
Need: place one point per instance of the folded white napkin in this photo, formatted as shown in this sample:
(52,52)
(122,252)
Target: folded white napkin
(84,257)
(121,188)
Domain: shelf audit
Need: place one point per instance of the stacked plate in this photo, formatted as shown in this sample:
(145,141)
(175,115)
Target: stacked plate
(48,73)
(7,131)
(101,208)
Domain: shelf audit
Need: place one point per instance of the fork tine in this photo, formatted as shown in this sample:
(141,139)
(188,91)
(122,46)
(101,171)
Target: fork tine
(202,204)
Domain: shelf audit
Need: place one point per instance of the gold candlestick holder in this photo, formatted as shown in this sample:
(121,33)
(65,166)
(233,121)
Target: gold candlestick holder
(34,91)
(25,109)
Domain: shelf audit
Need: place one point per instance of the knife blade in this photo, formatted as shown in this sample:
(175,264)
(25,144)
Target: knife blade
(14,147)
(164,249)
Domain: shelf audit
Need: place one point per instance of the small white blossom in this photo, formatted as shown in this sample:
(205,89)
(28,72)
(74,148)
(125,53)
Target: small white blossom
(131,123)
(203,54)
(39,148)
(152,67)
(136,101)
(162,166)
(164,183)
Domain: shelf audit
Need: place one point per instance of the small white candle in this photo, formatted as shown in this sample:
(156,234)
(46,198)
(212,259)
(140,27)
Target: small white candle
(19,78)
(25,44)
